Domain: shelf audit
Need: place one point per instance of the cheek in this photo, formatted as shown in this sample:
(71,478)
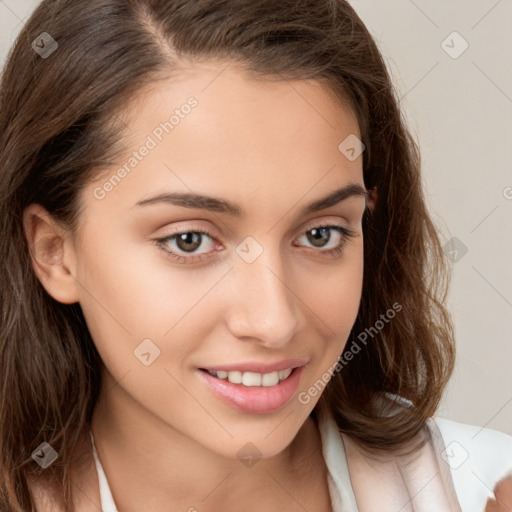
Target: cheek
(334,300)
(132,294)
(334,293)
(130,285)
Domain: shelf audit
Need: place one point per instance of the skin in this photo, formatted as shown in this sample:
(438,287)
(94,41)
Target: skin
(502,501)
(162,435)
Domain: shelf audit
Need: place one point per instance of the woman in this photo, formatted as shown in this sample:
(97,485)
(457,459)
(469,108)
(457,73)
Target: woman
(190,316)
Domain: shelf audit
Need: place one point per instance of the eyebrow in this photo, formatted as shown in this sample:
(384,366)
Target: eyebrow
(214,204)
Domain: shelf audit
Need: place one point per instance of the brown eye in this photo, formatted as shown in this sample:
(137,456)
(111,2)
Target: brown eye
(190,241)
(183,245)
(319,236)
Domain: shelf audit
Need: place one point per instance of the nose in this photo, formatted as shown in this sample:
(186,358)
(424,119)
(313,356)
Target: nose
(263,304)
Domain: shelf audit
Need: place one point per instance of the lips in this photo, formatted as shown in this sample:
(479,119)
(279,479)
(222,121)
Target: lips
(256,392)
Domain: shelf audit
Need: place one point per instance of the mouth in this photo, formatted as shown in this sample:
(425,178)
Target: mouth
(251,379)
(253,392)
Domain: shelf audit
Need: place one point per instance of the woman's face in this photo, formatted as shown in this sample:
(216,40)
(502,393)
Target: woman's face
(263,288)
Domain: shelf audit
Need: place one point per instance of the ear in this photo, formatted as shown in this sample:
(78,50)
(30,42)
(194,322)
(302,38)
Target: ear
(372,198)
(52,254)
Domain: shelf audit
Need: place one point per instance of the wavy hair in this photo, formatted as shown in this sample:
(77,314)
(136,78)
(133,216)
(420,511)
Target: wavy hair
(58,130)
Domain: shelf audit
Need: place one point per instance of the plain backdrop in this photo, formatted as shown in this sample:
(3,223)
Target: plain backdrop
(451,64)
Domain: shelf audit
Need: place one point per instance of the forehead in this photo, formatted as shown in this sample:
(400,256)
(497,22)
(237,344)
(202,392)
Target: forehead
(236,91)
(214,129)
(231,102)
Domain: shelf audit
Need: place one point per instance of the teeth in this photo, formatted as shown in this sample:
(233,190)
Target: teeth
(252,379)
(270,379)
(284,373)
(235,377)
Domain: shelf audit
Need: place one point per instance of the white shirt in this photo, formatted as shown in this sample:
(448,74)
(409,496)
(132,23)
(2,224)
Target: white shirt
(455,472)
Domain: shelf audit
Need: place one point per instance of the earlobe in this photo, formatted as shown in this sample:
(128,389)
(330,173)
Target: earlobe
(51,254)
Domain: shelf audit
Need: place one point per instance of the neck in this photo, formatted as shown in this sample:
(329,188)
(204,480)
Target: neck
(148,462)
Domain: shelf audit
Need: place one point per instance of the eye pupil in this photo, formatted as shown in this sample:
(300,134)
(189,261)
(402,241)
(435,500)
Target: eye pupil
(189,238)
(321,235)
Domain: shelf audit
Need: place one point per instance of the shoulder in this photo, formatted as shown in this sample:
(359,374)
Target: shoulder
(478,457)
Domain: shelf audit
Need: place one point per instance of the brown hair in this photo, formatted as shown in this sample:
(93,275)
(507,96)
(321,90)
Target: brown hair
(56,132)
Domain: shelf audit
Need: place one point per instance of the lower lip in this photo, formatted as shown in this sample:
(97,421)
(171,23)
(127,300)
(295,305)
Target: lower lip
(254,399)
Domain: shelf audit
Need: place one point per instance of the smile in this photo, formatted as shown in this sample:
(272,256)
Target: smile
(252,392)
(252,379)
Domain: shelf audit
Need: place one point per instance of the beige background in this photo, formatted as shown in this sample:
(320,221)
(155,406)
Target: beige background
(459,106)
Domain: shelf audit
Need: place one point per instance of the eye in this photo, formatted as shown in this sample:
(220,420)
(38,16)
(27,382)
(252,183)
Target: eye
(189,240)
(320,236)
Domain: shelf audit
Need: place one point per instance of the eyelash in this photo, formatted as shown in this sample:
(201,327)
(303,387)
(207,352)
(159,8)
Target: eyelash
(162,242)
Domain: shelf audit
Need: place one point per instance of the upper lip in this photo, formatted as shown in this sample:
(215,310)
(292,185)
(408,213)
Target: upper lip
(257,367)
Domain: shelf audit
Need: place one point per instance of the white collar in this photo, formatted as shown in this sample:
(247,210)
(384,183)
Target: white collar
(419,483)
(106,500)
